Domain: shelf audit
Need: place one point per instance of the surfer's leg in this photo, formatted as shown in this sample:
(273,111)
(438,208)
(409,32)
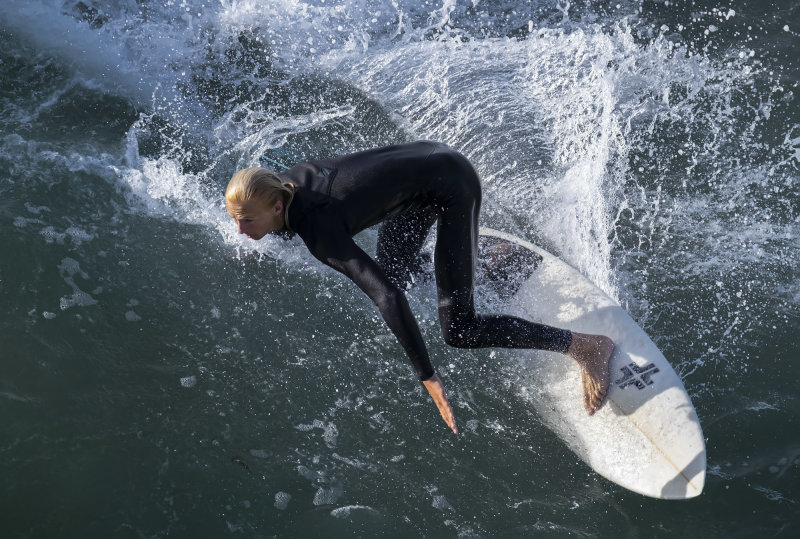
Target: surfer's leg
(400,238)
(463,327)
(454,261)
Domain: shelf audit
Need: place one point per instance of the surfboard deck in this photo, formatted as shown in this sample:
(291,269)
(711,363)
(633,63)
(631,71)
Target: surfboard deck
(646,437)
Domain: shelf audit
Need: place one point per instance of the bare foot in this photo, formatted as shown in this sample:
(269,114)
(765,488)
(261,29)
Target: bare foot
(592,352)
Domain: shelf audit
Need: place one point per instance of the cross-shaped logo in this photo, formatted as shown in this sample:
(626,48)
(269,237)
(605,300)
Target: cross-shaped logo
(633,375)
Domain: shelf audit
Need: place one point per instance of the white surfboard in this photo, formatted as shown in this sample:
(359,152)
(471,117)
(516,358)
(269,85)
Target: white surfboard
(646,437)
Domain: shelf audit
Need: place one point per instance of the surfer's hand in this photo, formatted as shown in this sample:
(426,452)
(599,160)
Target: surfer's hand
(436,389)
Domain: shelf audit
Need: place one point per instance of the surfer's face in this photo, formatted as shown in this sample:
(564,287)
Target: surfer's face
(255,220)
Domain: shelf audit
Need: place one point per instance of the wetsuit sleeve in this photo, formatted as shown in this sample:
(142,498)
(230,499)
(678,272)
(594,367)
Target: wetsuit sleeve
(339,251)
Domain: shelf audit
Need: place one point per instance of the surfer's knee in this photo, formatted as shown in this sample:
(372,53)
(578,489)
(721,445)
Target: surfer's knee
(457,338)
(456,331)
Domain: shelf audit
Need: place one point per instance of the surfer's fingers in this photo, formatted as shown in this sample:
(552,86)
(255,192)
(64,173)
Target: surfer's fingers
(446,411)
(447,414)
(436,389)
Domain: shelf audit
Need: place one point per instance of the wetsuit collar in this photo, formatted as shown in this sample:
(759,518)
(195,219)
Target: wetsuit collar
(288,206)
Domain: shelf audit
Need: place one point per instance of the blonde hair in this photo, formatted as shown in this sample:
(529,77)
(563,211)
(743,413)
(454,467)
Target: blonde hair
(261,185)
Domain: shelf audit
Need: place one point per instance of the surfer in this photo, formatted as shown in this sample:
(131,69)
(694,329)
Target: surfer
(407,188)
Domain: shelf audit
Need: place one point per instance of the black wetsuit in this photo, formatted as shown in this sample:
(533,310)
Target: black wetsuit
(408,187)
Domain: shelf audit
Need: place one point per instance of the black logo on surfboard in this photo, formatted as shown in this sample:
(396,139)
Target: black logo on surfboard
(634,375)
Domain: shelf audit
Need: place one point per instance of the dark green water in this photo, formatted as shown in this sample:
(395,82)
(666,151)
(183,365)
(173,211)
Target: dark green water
(160,376)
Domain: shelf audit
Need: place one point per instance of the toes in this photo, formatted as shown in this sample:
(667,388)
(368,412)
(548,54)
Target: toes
(587,394)
(593,397)
(594,392)
(599,397)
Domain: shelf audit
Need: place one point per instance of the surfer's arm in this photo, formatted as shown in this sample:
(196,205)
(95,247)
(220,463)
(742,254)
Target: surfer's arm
(339,251)
(342,254)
